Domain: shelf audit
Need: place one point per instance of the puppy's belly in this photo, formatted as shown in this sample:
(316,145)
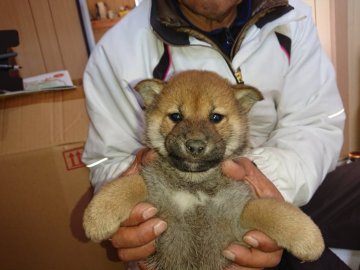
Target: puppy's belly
(200,225)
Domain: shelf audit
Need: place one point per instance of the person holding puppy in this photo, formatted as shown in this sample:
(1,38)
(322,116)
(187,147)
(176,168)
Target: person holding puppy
(295,132)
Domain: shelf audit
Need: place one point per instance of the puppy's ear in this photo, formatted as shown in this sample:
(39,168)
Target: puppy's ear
(149,89)
(247,96)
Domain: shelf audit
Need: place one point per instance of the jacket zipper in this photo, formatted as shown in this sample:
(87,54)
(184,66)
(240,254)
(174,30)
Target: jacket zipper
(238,76)
(236,73)
(240,37)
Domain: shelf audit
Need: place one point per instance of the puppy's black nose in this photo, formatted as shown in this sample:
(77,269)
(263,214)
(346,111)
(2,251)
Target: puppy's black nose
(195,147)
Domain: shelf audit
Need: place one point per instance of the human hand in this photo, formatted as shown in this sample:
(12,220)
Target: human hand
(135,239)
(244,169)
(263,251)
(143,157)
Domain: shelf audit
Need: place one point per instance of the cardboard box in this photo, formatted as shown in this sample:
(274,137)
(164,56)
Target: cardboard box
(44,185)
(41,120)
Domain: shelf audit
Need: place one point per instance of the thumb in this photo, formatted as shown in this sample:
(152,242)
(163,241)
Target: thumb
(233,170)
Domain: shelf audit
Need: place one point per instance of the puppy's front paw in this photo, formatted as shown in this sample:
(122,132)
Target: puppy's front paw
(111,206)
(310,245)
(102,219)
(287,225)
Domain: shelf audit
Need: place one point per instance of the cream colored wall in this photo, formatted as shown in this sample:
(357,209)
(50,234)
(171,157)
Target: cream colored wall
(337,23)
(338,14)
(354,73)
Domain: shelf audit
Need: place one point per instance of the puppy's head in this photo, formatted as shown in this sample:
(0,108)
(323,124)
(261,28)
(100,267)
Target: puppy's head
(196,119)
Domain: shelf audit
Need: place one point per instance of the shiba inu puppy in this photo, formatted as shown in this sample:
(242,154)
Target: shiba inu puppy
(195,121)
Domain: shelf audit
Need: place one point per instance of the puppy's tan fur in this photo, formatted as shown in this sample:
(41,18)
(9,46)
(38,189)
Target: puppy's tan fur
(194,122)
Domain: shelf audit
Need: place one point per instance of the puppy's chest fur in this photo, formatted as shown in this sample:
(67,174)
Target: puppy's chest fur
(202,216)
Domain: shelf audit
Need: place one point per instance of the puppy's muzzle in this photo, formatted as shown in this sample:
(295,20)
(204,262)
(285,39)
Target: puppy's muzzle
(195,147)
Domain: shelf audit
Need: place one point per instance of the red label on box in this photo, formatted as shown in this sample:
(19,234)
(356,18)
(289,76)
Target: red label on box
(73,158)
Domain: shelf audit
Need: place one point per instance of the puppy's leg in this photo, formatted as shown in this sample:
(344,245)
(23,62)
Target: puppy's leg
(286,224)
(112,205)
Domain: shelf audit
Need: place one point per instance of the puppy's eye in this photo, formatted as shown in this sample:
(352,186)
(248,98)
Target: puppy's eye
(216,117)
(175,117)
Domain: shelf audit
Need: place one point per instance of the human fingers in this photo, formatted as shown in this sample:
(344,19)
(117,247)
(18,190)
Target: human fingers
(233,170)
(140,213)
(140,235)
(252,258)
(261,241)
(134,239)
(267,255)
(261,185)
(136,253)
(262,252)
(240,168)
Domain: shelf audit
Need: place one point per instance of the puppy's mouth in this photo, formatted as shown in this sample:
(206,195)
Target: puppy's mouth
(193,165)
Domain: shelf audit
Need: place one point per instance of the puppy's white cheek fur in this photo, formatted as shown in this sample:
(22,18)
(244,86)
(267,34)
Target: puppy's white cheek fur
(235,132)
(155,137)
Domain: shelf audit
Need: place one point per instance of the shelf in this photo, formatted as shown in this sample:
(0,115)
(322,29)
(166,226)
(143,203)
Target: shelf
(106,23)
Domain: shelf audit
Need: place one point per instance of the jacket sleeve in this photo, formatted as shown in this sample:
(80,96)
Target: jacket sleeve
(116,120)
(307,139)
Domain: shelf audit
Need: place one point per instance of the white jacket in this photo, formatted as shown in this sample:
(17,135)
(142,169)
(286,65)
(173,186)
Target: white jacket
(296,132)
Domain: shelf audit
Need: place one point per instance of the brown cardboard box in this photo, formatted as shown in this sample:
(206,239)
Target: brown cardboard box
(44,185)
(41,120)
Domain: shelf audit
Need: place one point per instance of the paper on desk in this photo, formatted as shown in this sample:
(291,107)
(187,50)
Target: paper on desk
(58,80)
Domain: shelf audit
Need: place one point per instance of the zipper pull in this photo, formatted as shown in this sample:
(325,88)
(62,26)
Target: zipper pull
(238,76)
